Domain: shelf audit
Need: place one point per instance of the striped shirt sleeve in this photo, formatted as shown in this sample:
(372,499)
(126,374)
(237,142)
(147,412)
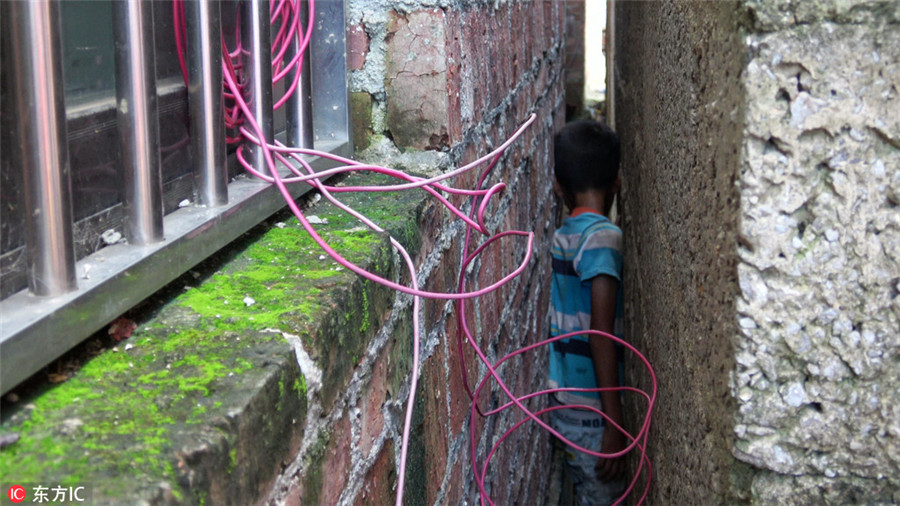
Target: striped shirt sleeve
(600,253)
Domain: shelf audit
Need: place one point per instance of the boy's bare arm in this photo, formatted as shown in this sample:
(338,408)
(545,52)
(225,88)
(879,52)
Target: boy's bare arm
(606,369)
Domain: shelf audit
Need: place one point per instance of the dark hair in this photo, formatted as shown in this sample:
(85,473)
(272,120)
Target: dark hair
(586,156)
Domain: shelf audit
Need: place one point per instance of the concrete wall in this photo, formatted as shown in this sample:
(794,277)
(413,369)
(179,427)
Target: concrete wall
(678,111)
(761,191)
(820,253)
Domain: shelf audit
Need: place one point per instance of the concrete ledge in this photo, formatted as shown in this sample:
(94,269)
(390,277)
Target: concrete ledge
(205,402)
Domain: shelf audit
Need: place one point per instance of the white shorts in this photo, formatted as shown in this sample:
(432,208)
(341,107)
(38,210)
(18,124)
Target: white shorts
(584,428)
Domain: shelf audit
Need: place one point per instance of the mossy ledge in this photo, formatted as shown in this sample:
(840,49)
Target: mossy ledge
(205,401)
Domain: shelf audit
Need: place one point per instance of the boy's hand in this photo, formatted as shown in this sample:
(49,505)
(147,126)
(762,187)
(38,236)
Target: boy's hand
(613,442)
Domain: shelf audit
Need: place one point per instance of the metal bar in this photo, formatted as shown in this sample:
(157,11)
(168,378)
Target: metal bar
(330,107)
(35,331)
(138,120)
(299,114)
(40,142)
(257,66)
(204,22)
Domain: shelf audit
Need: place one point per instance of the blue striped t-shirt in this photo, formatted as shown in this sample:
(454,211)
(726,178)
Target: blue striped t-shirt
(585,246)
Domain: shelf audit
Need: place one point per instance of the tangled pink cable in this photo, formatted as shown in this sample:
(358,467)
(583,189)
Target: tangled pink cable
(286,14)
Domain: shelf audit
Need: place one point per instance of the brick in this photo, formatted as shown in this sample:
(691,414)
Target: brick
(378,484)
(471,152)
(372,422)
(512,48)
(504,343)
(454,75)
(337,463)
(535,488)
(516,151)
(500,461)
(523,381)
(557,20)
(536,9)
(519,108)
(399,354)
(433,389)
(361,119)
(459,398)
(491,271)
(560,16)
(472,67)
(486,72)
(357,46)
(295,492)
(416,80)
(518,43)
(559,119)
(429,222)
(455,490)
(443,279)
(498,45)
(540,82)
(522,13)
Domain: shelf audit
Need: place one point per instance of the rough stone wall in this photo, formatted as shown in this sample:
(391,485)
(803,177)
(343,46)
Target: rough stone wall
(678,112)
(819,275)
(436,84)
(785,285)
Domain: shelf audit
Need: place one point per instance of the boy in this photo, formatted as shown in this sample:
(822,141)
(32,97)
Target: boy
(586,294)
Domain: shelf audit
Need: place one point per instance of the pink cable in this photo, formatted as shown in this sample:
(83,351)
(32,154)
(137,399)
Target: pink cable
(296,63)
(464,333)
(238,116)
(296,29)
(432,189)
(636,440)
(267,153)
(650,397)
(410,265)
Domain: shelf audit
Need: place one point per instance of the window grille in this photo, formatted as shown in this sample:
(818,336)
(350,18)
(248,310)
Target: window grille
(115,176)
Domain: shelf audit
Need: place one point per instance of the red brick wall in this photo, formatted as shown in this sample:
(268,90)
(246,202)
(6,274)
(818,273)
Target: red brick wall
(575,20)
(444,86)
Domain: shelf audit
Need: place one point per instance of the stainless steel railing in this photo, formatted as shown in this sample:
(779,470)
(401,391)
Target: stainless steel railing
(35,79)
(67,300)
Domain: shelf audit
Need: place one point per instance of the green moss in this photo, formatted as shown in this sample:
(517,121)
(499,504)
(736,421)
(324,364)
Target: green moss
(300,387)
(267,272)
(232,460)
(314,462)
(132,397)
(118,421)
(364,325)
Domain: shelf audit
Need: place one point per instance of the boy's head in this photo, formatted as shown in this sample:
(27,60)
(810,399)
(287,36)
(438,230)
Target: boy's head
(586,155)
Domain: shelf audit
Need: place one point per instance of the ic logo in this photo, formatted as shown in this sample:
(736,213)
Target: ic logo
(16,493)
